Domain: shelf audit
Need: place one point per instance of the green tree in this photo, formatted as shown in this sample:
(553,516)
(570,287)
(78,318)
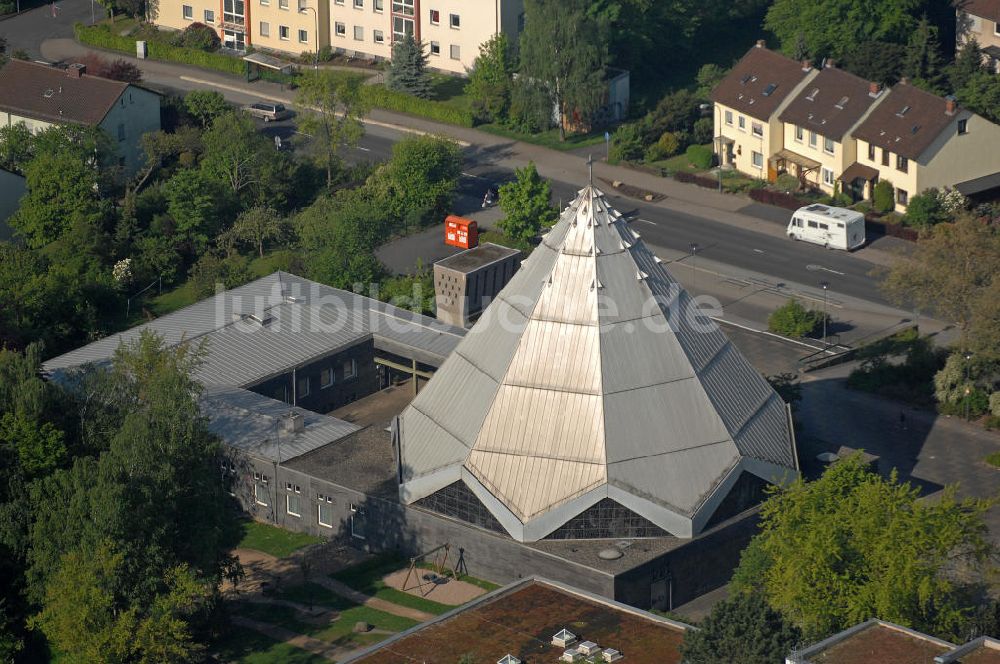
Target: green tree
(949,272)
(205,106)
(257,226)
(981,94)
(874,60)
(339,235)
(566,48)
(740,630)
(60,188)
(830,28)
(525,204)
(15,146)
(408,68)
(967,64)
(491,79)
(852,545)
(193,202)
(925,209)
(418,183)
(923,58)
(331,113)
(708,77)
(236,154)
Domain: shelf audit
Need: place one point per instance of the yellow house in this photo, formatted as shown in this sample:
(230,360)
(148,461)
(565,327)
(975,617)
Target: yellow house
(817,126)
(747,104)
(916,140)
(979,20)
(452,30)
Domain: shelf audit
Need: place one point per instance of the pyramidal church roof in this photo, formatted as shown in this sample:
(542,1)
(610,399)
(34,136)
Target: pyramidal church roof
(591,376)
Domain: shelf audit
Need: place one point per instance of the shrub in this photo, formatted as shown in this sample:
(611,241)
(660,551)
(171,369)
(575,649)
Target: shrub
(787,183)
(995,405)
(703,131)
(794,320)
(700,180)
(778,198)
(952,201)
(378,96)
(925,210)
(677,111)
(197,36)
(700,156)
(883,197)
(667,146)
(626,143)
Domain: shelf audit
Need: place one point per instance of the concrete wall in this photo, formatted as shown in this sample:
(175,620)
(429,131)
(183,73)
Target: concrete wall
(343,390)
(136,112)
(954,157)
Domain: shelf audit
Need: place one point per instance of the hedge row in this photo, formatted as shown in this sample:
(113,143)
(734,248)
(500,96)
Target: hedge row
(101,36)
(779,198)
(378,96)
(876,225)
(700,180)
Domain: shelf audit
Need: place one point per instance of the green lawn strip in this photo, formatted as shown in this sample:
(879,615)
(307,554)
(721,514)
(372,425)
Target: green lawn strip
(548,139)
(274,541)
(248,646)
(316,595)
(993,459)
(174,299)
(340,632)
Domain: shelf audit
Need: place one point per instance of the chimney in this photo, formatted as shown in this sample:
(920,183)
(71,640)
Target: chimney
(76,70)
(904,81)
(830,63)
(949,105)
(806,64)
(874,88)
(761,43)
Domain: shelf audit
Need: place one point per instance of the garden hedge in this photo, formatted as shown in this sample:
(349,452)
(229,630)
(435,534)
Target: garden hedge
(101,36)
(378,96)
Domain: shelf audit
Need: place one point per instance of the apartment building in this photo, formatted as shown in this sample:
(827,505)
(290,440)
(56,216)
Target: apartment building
(980,20)
(39,96)
(916,140)
(748,103)
(817,126)
(453,30)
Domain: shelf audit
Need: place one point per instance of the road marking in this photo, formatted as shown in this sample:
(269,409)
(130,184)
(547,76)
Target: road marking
(473,175)
(647,221)
(758,251)
(814,268)
(362,148)
(828,350)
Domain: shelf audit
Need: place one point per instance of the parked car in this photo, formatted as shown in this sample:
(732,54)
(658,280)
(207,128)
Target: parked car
(268,112)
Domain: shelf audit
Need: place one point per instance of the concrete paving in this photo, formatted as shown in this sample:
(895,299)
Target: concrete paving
(30,29)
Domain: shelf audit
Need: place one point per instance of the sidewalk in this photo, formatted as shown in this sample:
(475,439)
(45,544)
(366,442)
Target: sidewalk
(551,164)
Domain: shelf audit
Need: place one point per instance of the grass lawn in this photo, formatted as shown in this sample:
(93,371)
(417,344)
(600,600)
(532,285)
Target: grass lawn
(677,163)
(450,90)
(993,459)
(367,578)
(550,138)
(275,541)
(279,259)
(249,647)
(340,632)
(172,300)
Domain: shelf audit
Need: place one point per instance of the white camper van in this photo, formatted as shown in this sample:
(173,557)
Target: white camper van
(832,227)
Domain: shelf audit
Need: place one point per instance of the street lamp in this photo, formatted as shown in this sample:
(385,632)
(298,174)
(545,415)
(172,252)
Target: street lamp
(968,390)
(302,10)
(694,270)
(825,285)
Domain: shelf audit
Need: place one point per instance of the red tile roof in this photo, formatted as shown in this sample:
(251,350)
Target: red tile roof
(47,93)
(907,122)
(759,82)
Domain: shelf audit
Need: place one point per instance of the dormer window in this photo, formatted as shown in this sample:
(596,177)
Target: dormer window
(769,90)
(963,127)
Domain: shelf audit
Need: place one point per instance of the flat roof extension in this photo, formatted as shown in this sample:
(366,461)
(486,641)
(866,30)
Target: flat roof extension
(874,641)
(477,257)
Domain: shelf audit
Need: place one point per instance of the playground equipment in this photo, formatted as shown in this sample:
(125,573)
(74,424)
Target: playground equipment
(440,554)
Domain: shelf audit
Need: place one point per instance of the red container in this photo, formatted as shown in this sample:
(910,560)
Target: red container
(461,232)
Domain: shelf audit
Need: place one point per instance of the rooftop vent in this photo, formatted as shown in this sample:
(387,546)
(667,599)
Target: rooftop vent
(761,43)
(812,94)
(48,93)
(76,70)
(295,423)
(903,111)
(842,103)
(262,318)
(610,553)
(746,79)
(588,648)
(571,655)
(769,90)
(563,638)
(610,655)
(508,659)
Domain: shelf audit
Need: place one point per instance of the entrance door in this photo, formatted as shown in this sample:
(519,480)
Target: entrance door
(234,40)
(658,595)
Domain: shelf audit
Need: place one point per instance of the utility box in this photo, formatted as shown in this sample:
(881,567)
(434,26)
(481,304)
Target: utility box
(465,284)
(140,49)
(461,232)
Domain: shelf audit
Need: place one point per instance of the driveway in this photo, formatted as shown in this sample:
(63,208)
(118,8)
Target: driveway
(31,28)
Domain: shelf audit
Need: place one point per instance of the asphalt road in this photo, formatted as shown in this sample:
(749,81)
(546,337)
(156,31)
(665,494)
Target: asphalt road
(778,257)
(31,28)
